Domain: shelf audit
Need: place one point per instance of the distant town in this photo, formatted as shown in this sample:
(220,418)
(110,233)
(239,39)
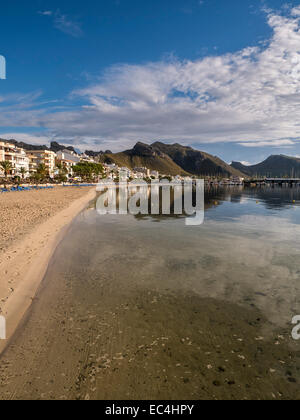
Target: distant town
(41,165)
(65,165)
(21,165)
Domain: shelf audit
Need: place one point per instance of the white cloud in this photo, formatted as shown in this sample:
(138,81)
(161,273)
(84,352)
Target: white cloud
(273,143)
(46,13)
(64,23)
(26,138)
(295,11)
(251,97)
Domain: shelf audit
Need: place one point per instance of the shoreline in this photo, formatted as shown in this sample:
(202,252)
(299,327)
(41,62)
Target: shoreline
(25,264)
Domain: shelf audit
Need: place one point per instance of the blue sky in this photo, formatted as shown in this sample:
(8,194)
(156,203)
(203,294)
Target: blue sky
(222,76)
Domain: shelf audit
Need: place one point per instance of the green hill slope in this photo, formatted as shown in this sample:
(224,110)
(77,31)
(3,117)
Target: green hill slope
(196,162)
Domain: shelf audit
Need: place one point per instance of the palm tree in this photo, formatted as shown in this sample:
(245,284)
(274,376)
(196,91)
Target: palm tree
(7,167)
(23,172)
(42,171)
(62,173)
(62,169)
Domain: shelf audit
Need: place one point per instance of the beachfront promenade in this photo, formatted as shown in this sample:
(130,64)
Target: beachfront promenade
(20,188)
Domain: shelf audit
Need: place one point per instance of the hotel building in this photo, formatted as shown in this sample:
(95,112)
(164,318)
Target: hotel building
(42,157)
(67,159)
(16,156)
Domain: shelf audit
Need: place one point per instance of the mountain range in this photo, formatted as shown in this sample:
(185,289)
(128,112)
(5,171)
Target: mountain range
(171,160)
(54,146)
(176,159)
(275,166)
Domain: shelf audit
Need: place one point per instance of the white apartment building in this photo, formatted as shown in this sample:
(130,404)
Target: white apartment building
(124,173)
(42,157)
(155,174)
(143,170)
(110,167)
(86,158)
(17,158)
(67,159)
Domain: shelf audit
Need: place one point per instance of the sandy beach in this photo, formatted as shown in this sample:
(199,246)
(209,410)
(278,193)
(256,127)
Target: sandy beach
(32,224)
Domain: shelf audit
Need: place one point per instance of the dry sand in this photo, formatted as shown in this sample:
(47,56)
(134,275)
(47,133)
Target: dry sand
(31,226)
(20,212)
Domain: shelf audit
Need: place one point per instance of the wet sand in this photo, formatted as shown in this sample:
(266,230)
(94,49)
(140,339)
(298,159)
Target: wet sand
(151,346)
(28,247)
(111,321)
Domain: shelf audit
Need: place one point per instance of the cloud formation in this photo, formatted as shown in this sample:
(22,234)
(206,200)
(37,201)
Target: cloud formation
(46,13)
(64,23)
(32,139)
(251,97)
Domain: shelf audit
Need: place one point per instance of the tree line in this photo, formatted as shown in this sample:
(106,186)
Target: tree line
(86,171)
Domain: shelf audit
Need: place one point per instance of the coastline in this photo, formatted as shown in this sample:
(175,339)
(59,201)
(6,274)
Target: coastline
(25,263)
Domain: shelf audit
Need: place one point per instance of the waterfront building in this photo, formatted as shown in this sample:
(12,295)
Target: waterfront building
(16,156)
(67,159)
(142,170)
(42,157)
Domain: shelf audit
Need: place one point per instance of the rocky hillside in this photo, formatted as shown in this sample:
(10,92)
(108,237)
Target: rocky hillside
(143,155)
(172,160)
(196,162)
(274,166)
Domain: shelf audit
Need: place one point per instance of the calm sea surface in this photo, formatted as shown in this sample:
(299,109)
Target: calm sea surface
(247,251)
(146,307)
